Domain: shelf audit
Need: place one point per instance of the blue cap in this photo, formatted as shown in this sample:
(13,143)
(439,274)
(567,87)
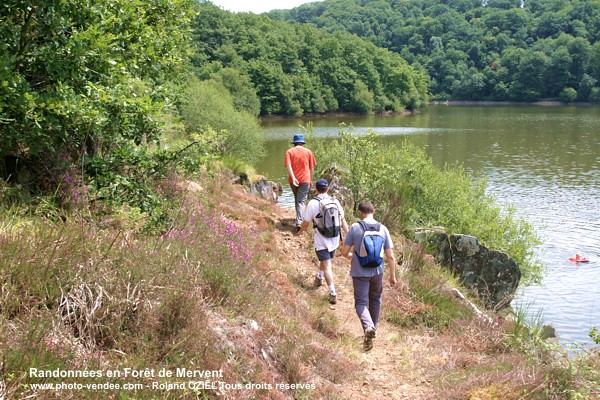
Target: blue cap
(298,138)
(322,184)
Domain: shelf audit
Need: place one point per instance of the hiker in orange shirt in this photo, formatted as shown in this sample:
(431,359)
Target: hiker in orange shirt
(300,163)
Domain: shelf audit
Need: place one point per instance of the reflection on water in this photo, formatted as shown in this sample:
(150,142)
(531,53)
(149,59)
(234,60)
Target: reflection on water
(282,133)
(544,160)
(286,199)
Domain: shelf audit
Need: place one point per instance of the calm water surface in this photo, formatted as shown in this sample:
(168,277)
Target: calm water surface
(544,160)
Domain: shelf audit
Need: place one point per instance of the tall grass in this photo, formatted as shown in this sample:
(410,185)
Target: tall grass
(525,325)
(97,292)
(82,294)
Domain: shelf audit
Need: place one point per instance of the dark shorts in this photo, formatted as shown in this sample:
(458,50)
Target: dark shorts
(324,255)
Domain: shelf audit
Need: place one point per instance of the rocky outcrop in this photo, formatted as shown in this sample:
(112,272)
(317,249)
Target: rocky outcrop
(492,274)
(265,189)
(260,187)
(336,189)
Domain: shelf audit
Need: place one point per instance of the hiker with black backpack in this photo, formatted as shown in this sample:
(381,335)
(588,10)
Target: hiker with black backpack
(371,243)
(327,215)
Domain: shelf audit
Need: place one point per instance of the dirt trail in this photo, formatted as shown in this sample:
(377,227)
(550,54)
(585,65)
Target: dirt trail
(389,370)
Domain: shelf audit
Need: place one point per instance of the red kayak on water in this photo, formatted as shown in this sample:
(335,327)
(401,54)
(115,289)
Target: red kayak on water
(578,259)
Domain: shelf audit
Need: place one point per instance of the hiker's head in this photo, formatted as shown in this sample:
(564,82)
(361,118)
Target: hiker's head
(298,139)
(365,207)
(322,185)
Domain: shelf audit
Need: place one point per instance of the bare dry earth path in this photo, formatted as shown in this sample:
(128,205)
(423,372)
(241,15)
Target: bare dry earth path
(391,369)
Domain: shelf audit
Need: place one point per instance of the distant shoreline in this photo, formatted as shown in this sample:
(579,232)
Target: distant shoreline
(335,114)
(436,102)
(492,103)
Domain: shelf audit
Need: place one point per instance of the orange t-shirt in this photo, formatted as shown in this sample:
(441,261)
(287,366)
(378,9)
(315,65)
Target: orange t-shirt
(302,161)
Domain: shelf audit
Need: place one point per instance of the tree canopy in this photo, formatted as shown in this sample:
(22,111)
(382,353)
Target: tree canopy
(82,77)
(473,50)
(297,68)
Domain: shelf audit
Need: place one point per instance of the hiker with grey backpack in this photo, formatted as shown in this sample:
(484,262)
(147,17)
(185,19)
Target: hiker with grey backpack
(327,215)
(371,243)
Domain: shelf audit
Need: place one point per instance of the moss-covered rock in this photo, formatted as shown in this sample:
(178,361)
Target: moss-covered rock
(492,274)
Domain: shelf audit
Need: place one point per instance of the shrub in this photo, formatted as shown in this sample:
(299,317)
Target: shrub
(144,178)
(209,104)
(568,95)
(67,94)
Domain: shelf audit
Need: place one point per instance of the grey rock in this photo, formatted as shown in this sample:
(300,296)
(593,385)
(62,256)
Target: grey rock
(493,275)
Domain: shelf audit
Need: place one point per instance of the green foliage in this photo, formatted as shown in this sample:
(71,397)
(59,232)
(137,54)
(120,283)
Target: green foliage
(81,79)
(573,375)
(568,95)
(409,191)
(209,104)
(465,45)
(594,335)
(441,308)
(525,327)
(241,89)
(296,69)
(364,101)
(355,154)
(595,95)
(144,179)
(431,303)
(238,167)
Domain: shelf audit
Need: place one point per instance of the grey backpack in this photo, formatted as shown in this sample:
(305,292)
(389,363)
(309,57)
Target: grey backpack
(328,220)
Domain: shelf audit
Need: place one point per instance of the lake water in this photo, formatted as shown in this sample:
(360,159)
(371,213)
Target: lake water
(544,160)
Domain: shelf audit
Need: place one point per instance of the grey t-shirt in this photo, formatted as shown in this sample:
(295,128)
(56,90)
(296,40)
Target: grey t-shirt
(354,238)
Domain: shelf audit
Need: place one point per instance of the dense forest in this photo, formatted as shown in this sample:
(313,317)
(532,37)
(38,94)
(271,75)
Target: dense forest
(499,50)
(297,68)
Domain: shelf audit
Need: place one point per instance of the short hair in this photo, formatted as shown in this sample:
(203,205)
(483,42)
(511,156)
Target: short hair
(366,207)
(321,190)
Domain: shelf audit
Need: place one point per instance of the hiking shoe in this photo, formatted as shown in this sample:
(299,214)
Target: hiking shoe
(370,334)
(318,281)
(332,299)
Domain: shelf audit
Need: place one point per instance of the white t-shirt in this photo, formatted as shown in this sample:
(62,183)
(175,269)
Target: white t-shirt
(312,210)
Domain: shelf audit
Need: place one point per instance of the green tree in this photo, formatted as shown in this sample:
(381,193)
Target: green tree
(425,32)
(585,88)
(594,95)
(241,89)
(557,75)
(84,78)
(579,50)
(363,98)
(551,25)
(595,61)
(471,86)
(208,104)
(532,74)
(298,68)
(568,95)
